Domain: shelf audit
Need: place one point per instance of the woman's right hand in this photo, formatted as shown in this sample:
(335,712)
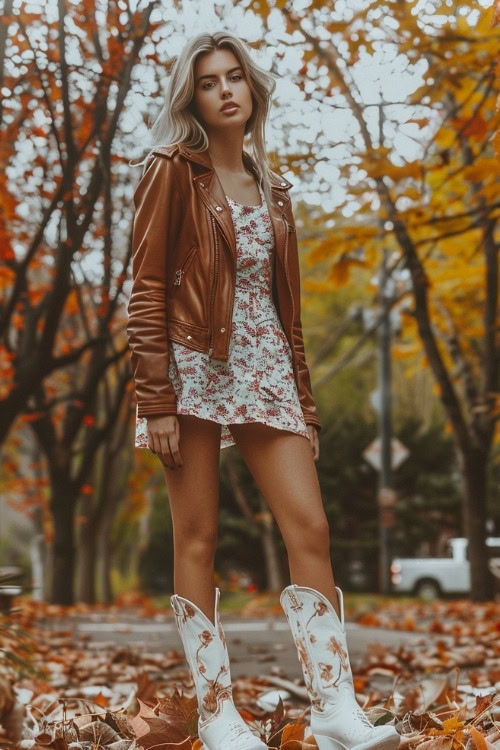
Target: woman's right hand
(163,439)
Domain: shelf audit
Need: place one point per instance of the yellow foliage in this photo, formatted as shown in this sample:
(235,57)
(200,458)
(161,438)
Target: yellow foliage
(412,169)
(445,137)
(320,287)
(436,388)
(340,271)
(405,351)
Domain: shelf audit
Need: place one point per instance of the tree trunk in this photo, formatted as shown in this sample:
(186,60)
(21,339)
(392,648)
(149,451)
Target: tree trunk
(38,552)
(87,564)
(63,547)
(37,556)
(104,571)
(474,468)
(104,541)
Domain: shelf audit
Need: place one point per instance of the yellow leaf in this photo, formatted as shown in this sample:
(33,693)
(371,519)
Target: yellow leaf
(339,272)
(261,7)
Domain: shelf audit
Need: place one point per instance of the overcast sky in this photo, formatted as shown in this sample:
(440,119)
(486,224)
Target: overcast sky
(386,76)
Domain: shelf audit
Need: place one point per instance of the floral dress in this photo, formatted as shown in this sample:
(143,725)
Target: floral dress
(256,382)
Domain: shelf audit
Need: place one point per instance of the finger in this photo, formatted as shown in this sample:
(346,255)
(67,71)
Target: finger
(156,445)
(151,442)
(166,456)
(158,449)
(178,438)
(316,445)
(174,450)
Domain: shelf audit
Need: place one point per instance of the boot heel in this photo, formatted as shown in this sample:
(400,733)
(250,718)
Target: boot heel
(328,743)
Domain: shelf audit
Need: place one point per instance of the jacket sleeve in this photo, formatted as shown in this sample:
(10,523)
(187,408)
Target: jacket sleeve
(157,212)
(304,379)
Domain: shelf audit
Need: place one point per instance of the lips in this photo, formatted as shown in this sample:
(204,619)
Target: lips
(229,105)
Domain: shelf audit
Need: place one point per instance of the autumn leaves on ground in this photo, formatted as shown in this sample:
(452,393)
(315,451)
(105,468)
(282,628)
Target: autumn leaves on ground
(57,691)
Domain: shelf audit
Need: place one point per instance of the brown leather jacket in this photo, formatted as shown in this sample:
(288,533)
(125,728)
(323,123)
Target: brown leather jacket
(183,268)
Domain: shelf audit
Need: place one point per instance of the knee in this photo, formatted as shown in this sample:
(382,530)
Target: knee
(198,544)
(312,536)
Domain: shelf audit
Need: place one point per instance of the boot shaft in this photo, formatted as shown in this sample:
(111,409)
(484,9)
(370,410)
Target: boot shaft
(320,638)
(337,720)
(206,652)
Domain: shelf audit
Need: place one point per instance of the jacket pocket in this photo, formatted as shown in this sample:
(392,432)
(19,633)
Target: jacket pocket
(181,271)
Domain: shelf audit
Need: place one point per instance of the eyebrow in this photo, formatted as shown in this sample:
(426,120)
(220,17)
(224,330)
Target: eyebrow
(213,75)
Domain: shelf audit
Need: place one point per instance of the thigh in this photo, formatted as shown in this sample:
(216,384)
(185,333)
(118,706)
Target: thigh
(283,467)
(193,490)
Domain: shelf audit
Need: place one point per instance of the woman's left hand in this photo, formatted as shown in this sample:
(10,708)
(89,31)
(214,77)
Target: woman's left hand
(314,440)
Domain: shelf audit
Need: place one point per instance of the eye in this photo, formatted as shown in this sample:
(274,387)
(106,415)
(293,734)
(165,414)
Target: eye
(209,84)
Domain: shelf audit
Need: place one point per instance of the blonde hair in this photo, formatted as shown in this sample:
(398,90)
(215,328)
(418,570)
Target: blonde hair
(177,122)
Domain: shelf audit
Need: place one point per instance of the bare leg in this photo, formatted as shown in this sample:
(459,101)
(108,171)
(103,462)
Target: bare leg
(283,468)
(193,493)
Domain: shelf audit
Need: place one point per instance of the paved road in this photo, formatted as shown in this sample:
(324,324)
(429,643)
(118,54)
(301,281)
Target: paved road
(256,646)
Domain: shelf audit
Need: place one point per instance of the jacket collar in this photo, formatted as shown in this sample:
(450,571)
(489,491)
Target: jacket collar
(212,193)
(203,159)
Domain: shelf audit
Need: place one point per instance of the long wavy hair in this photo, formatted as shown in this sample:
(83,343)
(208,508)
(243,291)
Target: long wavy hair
(177,121)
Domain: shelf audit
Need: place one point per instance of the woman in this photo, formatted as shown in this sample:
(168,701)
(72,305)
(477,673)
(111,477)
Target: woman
(218,359)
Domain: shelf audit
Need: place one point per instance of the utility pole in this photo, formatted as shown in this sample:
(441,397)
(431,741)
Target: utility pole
(386,495)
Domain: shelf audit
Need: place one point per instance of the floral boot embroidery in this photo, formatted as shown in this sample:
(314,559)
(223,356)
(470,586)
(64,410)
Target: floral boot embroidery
(220,725)
(319,635)
(216,691)
(307,669)
(333,645)
(218,688)
(322,674)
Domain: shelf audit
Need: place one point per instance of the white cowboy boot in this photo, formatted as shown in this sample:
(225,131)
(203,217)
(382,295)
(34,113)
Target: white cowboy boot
(337,720)
(220,726)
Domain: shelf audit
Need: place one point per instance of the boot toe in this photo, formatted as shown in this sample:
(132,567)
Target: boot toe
(344,726)
(383,738)
(227,730)
(388,740)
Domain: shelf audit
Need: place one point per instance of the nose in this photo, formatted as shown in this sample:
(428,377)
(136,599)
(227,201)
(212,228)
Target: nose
(225,90)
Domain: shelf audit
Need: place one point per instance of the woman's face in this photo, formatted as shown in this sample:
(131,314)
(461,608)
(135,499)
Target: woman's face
(220,81)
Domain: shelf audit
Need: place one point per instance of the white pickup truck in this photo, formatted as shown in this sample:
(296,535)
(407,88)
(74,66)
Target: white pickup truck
(430,577)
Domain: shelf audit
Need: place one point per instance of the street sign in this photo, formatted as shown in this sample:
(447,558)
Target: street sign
(373,453)
(387,497)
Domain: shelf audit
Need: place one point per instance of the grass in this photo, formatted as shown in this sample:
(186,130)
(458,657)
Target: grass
(241,602)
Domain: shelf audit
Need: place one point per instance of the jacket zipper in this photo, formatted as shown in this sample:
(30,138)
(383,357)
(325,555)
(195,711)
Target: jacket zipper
(214,286)
(182,270)
(289,228)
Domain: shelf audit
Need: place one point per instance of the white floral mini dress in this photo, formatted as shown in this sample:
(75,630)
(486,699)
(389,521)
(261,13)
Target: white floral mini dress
(256,382)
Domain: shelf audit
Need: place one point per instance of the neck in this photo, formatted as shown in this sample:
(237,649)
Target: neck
(226,150)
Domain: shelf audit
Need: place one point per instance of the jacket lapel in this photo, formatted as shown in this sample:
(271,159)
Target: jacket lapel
(211,191)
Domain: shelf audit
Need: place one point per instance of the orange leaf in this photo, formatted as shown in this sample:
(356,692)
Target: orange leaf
(101,700)
(478,737)
(294,732)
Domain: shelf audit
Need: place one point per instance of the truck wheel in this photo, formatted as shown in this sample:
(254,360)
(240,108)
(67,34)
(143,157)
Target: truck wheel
(428,590)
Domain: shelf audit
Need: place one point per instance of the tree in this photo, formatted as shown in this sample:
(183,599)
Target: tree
(437,214)
(63,349)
